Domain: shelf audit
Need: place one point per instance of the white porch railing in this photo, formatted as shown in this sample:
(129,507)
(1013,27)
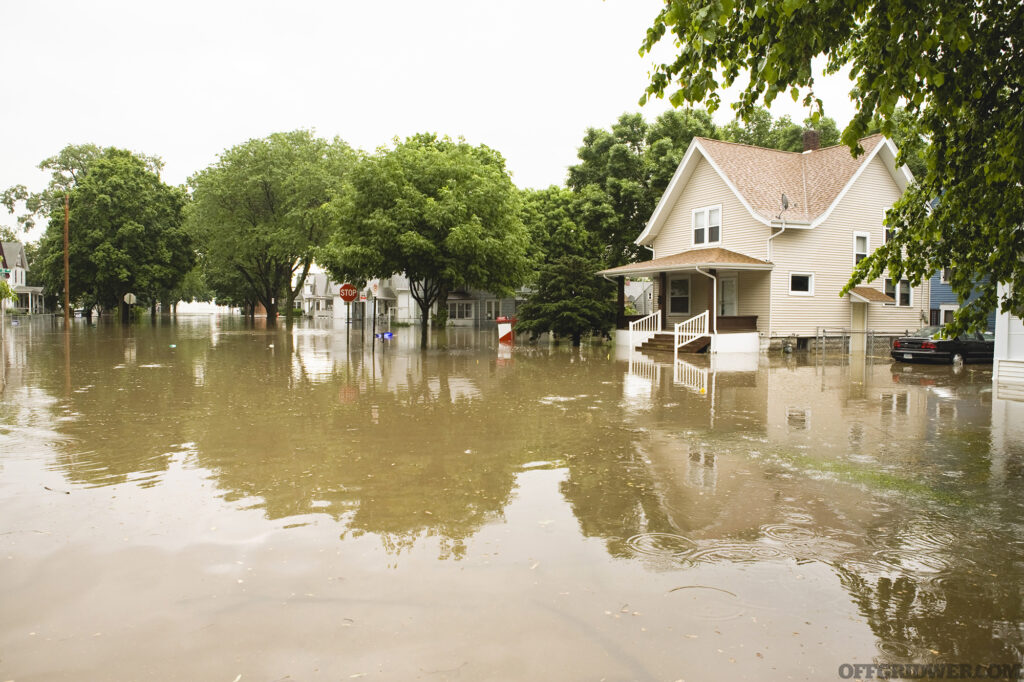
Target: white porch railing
(690,330)
(644,328)
(692,377)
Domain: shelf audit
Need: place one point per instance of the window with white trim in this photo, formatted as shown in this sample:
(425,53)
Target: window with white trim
(861,246)
(491,310)
(899,291)
(801,284)
(679,296)
(947,275)
(707,226)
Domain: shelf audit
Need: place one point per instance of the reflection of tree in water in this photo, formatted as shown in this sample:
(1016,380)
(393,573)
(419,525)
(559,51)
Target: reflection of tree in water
(122,418)
(405,452)
(941,595)
(964,616)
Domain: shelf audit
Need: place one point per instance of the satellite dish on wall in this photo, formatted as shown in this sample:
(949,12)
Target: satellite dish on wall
(785,201)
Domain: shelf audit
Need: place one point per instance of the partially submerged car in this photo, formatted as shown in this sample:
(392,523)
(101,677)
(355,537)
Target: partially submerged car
(929,344)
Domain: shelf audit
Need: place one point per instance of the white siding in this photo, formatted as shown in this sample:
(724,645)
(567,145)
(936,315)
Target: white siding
(740,231)
(827,251)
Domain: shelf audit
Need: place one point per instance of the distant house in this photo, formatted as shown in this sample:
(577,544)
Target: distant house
(752,246)
(394,301)
(30,299)
(943,302)
(318,295)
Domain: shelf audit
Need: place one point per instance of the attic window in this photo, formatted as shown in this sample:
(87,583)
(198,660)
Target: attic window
(707,226)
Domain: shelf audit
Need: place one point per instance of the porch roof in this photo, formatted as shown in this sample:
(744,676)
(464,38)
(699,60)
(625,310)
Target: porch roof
(869,295)
(691,260)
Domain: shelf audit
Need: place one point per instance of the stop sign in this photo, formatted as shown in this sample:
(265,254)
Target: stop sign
(348,293)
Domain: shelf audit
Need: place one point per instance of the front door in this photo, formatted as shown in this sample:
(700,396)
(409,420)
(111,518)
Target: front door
(727,293)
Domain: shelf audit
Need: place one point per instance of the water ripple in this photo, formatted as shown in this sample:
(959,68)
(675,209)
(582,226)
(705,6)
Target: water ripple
(666,545)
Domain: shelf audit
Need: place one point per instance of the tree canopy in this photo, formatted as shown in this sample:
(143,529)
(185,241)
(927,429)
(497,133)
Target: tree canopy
(567,298)
(126,232)
(441,211)
(259,213)
(958,68)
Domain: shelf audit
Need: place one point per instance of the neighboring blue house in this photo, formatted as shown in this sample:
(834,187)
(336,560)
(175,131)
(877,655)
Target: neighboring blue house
(943,302)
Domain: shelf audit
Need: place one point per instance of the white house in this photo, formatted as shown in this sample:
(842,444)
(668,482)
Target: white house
(743,268)
(1008,361)
(30,299)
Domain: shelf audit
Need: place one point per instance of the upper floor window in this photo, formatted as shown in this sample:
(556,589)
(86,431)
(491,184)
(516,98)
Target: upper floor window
(900,291)
(861,246)
(707,226)
(947,275)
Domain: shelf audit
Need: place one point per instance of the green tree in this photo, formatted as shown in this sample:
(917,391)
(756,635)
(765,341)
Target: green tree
(569,300)
(761,130)
(958,68)
(125,233)
(624,171)
(66,168)
(260,212)
(442,212)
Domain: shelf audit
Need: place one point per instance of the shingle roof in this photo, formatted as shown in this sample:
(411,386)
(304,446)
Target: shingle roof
(810,180)
(870,295)
(690,259)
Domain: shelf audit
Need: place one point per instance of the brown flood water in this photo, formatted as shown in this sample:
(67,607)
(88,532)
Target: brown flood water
(207,501)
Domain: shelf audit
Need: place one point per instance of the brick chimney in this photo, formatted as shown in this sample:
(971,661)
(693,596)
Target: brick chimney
(812,140)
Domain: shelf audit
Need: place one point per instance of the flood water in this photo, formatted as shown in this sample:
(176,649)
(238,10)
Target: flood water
(204,500)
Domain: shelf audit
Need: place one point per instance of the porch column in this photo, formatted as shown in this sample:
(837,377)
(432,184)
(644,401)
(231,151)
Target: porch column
(663,299)
(620,304)
(712,308)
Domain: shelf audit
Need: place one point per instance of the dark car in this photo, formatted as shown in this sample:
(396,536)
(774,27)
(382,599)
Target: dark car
(929,344)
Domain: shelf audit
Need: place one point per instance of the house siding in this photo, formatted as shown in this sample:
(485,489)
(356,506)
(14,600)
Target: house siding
(827,252)
(942,294)
(740,231)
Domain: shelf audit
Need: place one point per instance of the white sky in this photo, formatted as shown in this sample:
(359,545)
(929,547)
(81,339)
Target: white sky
(187,79)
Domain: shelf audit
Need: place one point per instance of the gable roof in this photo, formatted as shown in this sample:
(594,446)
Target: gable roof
(814,181)
(14,255)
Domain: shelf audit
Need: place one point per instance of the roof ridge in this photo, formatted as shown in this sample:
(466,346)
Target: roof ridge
(785,151)
(743,144)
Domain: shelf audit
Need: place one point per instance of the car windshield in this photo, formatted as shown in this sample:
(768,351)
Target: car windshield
(988,336)
(930,332)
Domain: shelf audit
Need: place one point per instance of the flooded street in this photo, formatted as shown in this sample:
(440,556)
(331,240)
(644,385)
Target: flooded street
(204,500)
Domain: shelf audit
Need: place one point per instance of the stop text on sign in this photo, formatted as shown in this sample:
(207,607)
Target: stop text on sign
(348,293)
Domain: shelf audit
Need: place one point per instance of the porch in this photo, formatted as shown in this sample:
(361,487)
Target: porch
(706,300)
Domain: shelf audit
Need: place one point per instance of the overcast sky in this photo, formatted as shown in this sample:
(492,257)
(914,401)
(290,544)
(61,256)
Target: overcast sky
(185,80)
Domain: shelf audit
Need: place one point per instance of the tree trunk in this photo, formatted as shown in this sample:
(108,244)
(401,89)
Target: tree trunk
(125,312)
(424,322)
(152,309)
(577,338)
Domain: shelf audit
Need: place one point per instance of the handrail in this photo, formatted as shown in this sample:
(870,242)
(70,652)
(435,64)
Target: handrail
(690,330)
(645,325)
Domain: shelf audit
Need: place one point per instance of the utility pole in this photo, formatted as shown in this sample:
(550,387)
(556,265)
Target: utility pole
(67,260)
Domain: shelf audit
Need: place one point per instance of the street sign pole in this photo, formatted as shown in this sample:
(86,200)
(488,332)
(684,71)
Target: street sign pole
(67,260)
